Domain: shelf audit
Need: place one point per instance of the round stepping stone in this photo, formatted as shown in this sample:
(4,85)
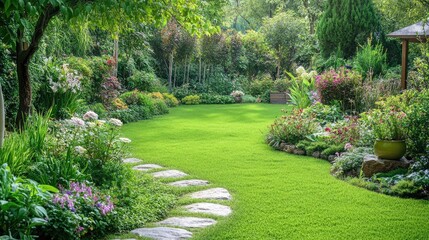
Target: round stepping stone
(163,233)
(188,183)
(209,208)
(169,174)
(146,167)
(188,222)
(131,160)
(213,193)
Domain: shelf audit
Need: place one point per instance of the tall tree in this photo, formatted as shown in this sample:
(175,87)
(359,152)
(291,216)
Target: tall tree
(23,25)
(345,24)
(283,33)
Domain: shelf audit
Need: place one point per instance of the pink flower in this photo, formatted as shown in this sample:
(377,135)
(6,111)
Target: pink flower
(348,146)
(90,115)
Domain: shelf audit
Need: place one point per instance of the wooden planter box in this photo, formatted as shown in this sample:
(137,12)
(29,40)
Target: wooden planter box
(279,97)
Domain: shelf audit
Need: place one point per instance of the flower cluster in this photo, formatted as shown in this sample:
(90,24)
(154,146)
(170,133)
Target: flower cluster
(303,74)
(387,124)
(338,87)
(342,132)
(237,93)
(80,195)
(68,80)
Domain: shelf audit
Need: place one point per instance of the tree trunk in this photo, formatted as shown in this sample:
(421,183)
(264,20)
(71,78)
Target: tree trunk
(24,93)
(199,71)
(184,69)
(187,74)
(170,72)
(204,74)
(175,75)
(115,56)
(24,53)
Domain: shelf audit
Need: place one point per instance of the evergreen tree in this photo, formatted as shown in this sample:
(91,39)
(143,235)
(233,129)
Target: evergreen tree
(345,24)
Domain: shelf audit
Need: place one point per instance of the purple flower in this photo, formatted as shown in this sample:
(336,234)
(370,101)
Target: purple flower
(90,115)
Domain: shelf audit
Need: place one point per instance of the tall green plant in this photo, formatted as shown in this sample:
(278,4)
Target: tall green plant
(2,118)
(345,24)
(370,60)
(301,89)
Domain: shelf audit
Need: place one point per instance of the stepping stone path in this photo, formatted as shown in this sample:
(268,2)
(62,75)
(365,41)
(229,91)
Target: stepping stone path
(163,233)
(189,183)
(169,174)
(146,167)
(209,208)
(188,222)
(213,193)
(131,160)
(172,233)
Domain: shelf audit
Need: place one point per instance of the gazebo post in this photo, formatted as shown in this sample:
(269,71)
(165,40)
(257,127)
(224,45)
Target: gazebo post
(404,64)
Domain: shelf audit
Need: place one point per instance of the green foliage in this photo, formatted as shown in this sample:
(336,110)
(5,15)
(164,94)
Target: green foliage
(406,188)
(160,107)
(139,201)
(170,100)
(145,81)
(302,88)
(345,24)
(333,150)
(183,91)
(22,205)
(259,57)
(310,147)
(137,98)
(216,99)
(249,99)
(191,100)
(281,85)
(419,78)
(291,128)
(324,113)
(370,60)
(282,33)
(416,124)
(349,163)
(261,87)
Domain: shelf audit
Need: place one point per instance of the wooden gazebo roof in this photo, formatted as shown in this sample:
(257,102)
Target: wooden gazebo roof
(418,32)
(412,33)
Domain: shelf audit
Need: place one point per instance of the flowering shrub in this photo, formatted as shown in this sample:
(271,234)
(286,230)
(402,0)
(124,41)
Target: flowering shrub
(345,132)
(302,88)
(118,104)
(78,212)
(340,87)
(324,113)
(110,90)
(62,95)
(387,124)
(237,93)
(94,145)
(291,129)
(170,100)
(157,95)
(191,100)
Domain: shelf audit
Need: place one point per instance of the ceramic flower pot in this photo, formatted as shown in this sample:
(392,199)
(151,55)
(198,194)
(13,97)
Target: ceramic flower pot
(390,149)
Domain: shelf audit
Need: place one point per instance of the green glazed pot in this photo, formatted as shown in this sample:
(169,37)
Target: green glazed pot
(390,149)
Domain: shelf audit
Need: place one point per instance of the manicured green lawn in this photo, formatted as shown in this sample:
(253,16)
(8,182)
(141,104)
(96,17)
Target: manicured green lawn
(276,195)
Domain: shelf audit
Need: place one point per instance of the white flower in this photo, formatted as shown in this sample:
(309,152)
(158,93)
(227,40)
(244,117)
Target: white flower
(77,122)
(125,140)
(90,115)
(115,122)
(312,74)
(237,94)
(300,70)
(80,150)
